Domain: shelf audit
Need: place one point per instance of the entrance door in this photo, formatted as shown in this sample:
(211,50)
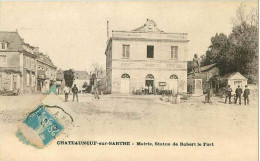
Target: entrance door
(148,83)
(173,84)
(125,84)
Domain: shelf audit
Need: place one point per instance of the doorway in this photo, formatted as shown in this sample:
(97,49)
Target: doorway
(125,84)
(149,82)
(173,84)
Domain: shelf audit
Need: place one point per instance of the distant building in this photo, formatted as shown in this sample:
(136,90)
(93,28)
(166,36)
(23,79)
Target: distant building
(17,64)
(60,82)
(199,82)
(46,71)
(81,77)
(146,56)
(235,79)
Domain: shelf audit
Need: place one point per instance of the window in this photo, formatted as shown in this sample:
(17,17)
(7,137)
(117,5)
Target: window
(32,64)
(3,45)
(27,79)
(173,77)
(174,52)
(150,52)
(33,81)
(126,52)
(3,60)
(28,63)
(125,76)
(0,81)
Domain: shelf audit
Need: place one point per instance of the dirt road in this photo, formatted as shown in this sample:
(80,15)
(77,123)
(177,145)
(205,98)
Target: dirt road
(228,131)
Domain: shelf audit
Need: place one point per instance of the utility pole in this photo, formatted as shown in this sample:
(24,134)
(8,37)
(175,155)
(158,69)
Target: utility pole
(107,31)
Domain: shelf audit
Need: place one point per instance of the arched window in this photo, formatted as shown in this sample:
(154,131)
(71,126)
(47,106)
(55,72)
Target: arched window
(173,76)
(125,76)
(149,77)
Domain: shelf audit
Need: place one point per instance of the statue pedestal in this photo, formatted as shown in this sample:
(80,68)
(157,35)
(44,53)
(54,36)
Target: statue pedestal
(197,87)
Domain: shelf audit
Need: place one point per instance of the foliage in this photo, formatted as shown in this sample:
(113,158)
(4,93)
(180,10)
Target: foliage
(237,52)
(85,85)
(69,77)
(97,69)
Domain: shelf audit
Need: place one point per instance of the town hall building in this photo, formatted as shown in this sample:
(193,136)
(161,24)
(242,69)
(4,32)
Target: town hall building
(146,56)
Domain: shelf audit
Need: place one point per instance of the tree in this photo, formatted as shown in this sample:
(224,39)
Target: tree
(85,85)
(69,77)
(237,52)
(97,69)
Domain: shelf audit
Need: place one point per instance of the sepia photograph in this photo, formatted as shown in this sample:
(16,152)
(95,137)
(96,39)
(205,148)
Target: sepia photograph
(129,80)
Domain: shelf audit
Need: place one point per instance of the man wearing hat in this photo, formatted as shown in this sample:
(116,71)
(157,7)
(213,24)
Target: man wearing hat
(238,94)
(228,94)
(246,95)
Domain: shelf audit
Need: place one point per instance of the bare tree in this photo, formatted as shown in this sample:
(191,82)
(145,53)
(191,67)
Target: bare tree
(97,69)
(245,16)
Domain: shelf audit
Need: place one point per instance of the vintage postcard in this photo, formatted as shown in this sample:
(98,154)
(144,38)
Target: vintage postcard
(129,80)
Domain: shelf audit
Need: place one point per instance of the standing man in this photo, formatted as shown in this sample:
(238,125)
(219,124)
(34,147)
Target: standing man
(150,89)
(209,95)
(146,89)
(66,92)
(142,89)
(246,95)
(228,94)
(75,92)
(96,92)
(238,94)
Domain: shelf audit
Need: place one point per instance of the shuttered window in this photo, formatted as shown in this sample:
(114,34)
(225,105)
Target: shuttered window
(174,52)
(126,51)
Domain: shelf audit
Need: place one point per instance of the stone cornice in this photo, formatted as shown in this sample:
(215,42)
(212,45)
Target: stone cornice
(149,61)
(148,39)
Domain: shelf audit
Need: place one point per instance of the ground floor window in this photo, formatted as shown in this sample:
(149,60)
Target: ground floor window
(1,82)
(33,81)
(28,79)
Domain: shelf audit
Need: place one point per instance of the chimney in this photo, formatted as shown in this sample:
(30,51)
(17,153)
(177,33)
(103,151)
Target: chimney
(36,49)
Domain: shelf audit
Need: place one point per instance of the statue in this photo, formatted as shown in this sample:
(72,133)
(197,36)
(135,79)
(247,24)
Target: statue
(196,64)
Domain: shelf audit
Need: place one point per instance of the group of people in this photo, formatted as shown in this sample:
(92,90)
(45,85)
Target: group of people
(75,92)
(228,94)
(238,94)
(147,89)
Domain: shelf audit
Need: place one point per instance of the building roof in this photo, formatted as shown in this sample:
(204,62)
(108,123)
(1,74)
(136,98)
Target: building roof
(148,32)
(207,67)
(79,75)
(235,75)
(83,75)
(149,26)
(44,59)
(13,40)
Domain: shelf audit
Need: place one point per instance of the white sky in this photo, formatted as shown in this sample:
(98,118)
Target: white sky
(74,35)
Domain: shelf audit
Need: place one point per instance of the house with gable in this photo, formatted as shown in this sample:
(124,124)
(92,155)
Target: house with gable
(17,64)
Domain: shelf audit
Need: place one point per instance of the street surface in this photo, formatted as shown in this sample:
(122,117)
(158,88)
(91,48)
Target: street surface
(228,132)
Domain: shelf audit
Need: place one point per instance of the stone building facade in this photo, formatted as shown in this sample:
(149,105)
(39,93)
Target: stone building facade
(17,64)
(146,56)
(46,71)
